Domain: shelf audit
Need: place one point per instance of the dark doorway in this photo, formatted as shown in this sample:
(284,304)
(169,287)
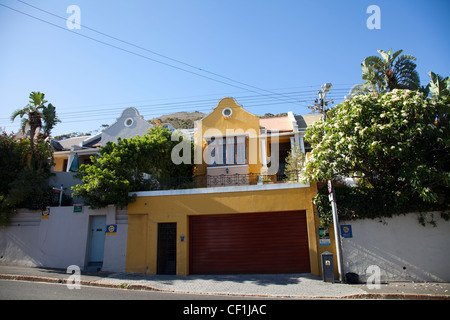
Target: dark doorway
(167,248)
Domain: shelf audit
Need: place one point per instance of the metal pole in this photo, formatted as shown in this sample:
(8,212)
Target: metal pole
(337,237)
(60,195)
(332,197)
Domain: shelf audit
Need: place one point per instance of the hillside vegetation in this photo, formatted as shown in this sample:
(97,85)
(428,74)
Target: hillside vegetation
(180,120)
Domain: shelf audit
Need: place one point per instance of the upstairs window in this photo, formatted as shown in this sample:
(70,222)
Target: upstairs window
(228,150)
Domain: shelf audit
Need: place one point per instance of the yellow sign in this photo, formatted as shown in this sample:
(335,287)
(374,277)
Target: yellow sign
(45,213)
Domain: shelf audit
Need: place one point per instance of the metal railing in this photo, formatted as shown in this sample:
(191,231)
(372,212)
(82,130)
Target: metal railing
(224,180)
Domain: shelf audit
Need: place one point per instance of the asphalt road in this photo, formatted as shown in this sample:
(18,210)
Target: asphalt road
(24,290)
(174,306)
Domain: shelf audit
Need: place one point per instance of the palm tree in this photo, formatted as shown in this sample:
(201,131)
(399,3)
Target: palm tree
(33,114)
(391,71)
(50,119)
(399,70)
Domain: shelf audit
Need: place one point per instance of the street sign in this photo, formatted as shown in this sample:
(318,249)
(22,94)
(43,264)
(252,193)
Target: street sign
(330,186)
(346,231)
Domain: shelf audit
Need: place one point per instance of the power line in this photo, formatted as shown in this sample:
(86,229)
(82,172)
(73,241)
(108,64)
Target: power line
(140,55)
(248,101)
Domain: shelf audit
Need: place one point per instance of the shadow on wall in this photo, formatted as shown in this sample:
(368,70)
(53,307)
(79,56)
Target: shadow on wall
(392,267)
(17,242)
(401,247)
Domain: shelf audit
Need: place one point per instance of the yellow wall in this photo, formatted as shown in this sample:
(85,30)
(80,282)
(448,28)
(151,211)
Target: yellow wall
(145,214)
(59,163)
(240,121)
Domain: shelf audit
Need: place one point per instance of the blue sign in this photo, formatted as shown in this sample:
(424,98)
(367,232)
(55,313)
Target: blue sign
(346,231)
(111,229)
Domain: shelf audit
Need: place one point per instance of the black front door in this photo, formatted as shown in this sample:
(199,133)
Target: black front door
(167,248)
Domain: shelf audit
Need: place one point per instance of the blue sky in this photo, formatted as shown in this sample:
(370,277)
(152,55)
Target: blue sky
(271,56)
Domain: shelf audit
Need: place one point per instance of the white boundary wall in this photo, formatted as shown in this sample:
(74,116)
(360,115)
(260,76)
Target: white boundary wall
(400,246)
(62,239)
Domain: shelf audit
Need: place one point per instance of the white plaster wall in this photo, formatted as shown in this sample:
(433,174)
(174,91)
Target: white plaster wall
(18,245)
(402,248)
(61,240)
(116,244)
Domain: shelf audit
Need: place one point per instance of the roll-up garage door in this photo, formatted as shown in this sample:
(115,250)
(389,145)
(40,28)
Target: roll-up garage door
(274,242)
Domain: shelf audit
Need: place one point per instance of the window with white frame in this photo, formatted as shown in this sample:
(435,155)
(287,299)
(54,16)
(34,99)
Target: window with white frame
(227,150)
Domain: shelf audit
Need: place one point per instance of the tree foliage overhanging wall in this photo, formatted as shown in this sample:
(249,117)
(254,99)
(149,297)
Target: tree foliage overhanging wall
(25,162)
(396,148)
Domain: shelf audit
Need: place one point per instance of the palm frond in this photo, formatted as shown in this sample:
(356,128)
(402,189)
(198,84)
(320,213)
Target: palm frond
(407,57)
(395,55)
(23,124)
(360,89)
(18,112)
(50,118)
(37,100)
(386,56)
(438,85)
(406,75)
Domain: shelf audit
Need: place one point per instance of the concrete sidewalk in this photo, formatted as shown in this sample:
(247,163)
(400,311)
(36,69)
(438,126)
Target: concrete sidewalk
(297,286)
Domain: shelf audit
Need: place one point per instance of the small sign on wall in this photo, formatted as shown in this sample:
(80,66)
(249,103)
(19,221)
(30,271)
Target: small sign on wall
(45,213)
(346,231)
(77,208)
(324,236)
(111,229)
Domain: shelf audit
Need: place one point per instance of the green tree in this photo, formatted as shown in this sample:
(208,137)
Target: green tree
(22,185)
(135,164)
(388,72)
(398,142)
(295,162)
(25,163)
(32,115)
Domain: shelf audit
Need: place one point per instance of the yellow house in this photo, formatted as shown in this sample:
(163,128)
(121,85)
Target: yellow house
(235,223)
(236,147)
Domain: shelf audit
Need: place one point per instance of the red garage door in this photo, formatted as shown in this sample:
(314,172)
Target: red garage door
(275,242)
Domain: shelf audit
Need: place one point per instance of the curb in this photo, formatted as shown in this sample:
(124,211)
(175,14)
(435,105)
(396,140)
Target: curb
(129,286)
(397,296)
(82,282)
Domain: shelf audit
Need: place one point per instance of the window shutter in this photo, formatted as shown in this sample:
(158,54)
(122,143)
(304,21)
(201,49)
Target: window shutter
(240,150)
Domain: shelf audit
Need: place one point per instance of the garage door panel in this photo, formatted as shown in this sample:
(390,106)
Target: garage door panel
(249,243)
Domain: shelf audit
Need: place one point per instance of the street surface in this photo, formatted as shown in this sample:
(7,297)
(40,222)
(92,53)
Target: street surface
(24,290)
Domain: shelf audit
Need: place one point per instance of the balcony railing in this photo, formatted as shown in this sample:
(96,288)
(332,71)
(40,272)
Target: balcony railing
(224,180)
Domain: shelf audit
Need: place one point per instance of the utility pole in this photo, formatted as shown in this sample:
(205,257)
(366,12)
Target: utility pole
(319,106)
